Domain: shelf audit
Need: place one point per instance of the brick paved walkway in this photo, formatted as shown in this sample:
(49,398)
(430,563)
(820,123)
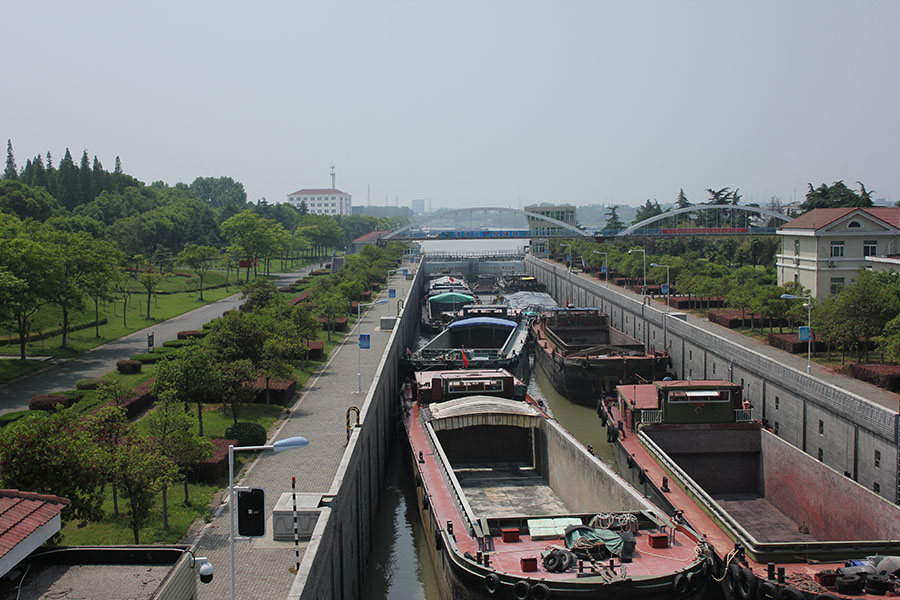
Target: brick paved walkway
(263,565)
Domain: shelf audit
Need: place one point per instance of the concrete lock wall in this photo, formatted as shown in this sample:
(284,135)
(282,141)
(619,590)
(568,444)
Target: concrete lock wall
(790,400)
(335,559)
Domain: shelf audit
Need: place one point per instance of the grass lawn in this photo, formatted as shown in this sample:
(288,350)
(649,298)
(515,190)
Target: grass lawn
(12,368)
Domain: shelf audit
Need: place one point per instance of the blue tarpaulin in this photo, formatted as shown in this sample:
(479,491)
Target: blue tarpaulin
(482,321)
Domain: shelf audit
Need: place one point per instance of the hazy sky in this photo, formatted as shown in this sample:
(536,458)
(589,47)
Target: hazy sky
(468,103)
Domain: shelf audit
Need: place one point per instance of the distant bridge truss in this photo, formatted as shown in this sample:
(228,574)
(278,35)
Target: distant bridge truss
(462,224)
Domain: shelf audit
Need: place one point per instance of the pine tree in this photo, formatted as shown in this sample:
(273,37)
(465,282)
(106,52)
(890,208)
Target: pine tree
(11,172)
(52,183)
(98,178)
(69,191)
(682,200)
(118,170)
(85,179)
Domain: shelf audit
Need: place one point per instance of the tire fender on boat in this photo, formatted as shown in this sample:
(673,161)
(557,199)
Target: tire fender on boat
(731,578)
(540,591)
(767,591)
(746,585)
(492,583)
(695,580)
(680,584)
(585,364)
(522,590)
(790,593)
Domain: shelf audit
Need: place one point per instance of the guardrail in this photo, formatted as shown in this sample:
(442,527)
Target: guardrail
(651,416)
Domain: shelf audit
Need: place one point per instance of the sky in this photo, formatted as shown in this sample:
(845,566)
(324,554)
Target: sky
(467,103)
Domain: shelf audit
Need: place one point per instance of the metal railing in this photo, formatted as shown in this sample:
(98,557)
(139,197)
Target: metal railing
(651,416)
(742,416)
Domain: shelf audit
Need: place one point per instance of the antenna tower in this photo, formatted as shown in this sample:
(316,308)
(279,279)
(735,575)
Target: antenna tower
(332,177)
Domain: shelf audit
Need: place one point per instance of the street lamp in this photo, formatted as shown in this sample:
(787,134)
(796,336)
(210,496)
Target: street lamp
(666,315)
(808,306)
(279,446)
(605,264)
(359,345)
(644,254)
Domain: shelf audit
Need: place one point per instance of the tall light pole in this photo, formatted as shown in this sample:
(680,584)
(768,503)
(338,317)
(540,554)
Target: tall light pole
(644,254)
(279,446)
(808,306)
(605,264)
(359,345)
(666,315)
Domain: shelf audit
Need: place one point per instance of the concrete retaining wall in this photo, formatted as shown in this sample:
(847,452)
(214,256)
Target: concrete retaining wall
(335,559)
(794,402)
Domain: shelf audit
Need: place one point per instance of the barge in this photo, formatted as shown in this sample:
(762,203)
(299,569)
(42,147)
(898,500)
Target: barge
(445,296)
(513,506)
(585,358)
(484,336)
(784,525)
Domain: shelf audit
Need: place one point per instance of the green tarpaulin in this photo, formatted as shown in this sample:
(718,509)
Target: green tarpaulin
(451,298)
(610,539)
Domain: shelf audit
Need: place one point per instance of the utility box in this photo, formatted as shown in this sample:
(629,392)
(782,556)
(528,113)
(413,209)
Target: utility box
(283,516)
(387,323)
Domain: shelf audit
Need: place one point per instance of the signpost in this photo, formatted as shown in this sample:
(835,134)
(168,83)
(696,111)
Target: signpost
(392,293)
(364,341)
(804,333)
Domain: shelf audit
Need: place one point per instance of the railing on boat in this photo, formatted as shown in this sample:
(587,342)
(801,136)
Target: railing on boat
(651,416)
(450,479)
(742,416)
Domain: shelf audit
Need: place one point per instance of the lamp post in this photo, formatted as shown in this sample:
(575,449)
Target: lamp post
(359,345)
(808,306)
(666,315)
(644,254)
(279,446)
(605,264)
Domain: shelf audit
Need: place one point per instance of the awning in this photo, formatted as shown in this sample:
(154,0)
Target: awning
(475,321)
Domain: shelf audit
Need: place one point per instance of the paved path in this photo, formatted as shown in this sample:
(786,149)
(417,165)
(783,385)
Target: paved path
(830,376)
(102,359)
(263,565)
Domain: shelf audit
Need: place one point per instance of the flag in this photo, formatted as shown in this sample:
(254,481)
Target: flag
(465,360)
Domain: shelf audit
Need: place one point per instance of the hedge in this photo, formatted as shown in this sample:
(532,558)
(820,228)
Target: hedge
(339,324)
(153,357)
(214,468)
(87,384)
(884,376)
(128,366)
(790,342)
(281,391)
(192,333)
(316,350)
(50,402)
(176,343)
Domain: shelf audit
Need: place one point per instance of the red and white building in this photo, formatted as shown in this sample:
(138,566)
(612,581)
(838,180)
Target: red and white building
(322,201)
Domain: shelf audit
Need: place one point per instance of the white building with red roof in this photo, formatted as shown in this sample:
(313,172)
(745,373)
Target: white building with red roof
(825,248)
(27,520)
(322,201)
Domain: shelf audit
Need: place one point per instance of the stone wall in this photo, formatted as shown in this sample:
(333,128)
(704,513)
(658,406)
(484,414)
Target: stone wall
(854,428)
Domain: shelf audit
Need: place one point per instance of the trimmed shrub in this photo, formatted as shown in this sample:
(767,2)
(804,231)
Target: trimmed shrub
(280,390)
(195,333)
(87,384)
(176,343)
(153,357)
(247,434)
(128,366)
(215,467)
(884,376)
(316,350)
(50,402)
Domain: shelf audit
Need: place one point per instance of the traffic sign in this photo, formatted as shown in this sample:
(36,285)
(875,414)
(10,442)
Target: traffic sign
(603,269)
(664,288)
(364,341)
(392,293)
(251,507)
(804,333)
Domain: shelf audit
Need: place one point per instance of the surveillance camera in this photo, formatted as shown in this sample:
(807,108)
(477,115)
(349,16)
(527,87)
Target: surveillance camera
(206,570)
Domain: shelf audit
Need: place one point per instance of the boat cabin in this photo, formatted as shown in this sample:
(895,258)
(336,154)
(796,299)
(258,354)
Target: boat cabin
(681,401)
(439,386)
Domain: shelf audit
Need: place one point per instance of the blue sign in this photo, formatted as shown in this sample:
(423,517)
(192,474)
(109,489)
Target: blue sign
(603,269)
(804,333)
(405,272)
(364,341)
(664,288)
(392,293)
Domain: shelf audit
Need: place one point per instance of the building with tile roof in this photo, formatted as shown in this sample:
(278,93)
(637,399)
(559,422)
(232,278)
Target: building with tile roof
(825,248)
(27,520)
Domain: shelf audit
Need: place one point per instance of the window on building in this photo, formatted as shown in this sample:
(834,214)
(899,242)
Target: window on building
(877,459)
(837,249)
(796,247)
(776,427)
(777,402)
(821,427)
(837,284)
(854,224)
(690,355)
(870,247)
(876,487)
(714,368)
(821,454)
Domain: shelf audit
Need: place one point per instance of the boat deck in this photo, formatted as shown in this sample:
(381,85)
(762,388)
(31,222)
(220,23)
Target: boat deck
(508,490)
(761,519)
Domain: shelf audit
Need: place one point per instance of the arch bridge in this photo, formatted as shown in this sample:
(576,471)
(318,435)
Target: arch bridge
(419,230)
(728,210)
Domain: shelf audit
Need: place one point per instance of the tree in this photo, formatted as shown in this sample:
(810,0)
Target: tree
(189,375)
(259,295)
(108,428)
(331,305)
(122,289)
(199,259)
(148,276)
(235,376)
(681,201)
(247,234)
(69,191)
(172,435)
(142,471)
(835,195)
(613,222)
(25,201)
(306,325)
(741,297)
(68,460)
(220,192)
(99,279)
(648,210)
(274,362)
(11,172)
(867,305)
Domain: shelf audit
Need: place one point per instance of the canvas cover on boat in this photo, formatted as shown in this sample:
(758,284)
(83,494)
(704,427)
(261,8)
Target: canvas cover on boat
(482,321)
(451,297)
(611,540)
